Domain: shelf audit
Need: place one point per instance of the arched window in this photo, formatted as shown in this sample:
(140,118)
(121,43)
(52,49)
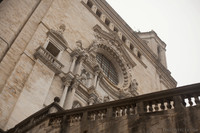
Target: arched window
(108,68)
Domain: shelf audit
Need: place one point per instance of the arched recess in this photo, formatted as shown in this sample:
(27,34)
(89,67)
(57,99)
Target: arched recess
(111,51)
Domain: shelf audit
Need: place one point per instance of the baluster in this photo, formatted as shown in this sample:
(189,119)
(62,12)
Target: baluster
(169,106)
(102,115)
(131,111)
(79,118)
(197,101)
(126,110)
(156,106)
(150,107)
(190,101)
(120,111)
(94,116)
(184,103)
(144,108)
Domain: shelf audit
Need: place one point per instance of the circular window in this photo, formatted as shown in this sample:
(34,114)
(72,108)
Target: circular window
(108,68)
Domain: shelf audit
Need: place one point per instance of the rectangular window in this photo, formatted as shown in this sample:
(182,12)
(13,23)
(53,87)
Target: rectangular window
(52,49)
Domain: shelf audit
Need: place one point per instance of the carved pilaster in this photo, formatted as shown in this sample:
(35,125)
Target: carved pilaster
(71,91)
(67,79)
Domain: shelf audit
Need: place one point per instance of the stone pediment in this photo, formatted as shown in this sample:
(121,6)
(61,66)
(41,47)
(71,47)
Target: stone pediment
(58,36)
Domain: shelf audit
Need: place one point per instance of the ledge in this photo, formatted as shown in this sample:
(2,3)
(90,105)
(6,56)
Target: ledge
(48,59)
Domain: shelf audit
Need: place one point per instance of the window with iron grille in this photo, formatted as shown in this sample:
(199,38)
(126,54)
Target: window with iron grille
(108,68)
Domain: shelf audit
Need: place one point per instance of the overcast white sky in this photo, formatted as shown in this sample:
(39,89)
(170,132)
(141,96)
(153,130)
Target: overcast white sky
(177,23)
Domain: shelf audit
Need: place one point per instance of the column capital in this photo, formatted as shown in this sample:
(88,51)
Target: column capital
(75,82)
(67,79)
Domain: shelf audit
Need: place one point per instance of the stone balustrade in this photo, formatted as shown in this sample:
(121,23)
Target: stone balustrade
(48,59)
(177,99)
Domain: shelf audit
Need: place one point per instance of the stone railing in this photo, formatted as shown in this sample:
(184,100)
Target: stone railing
(176,99)
(48,59)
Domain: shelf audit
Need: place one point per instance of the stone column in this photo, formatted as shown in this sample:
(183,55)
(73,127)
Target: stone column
(70,94)
(64,94)
(73,64)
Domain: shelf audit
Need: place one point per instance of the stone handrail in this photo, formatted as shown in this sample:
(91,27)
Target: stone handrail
(139,105)
(177,98)
(47,58)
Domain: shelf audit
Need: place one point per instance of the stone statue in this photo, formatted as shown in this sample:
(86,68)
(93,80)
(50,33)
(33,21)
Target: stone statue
(62,28)
(93,47)
(133,87)
(106,99)
(83,77)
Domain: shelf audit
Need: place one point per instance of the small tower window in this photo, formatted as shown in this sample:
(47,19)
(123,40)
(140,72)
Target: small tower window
(115,29)
(98,13)
(139,55)
(123,38)
(89,3)
(107,22)
(131,47)
(52,49)
(158,50)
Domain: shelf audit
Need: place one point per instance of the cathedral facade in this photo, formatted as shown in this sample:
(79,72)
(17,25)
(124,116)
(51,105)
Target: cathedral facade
(79,51)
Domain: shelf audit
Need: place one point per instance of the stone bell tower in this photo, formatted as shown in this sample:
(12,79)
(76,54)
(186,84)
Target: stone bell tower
(155,44)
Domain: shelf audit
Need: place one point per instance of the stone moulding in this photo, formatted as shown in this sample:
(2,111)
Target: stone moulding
(48,59)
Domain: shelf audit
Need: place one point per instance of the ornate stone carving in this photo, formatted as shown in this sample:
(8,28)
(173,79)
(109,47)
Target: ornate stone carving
(62,28)
(56,36)
(106,99)
(75,82)
(133,87)
(93,47)
(83,77)
(67,79)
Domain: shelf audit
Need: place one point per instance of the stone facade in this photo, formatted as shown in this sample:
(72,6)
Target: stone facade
(78,50)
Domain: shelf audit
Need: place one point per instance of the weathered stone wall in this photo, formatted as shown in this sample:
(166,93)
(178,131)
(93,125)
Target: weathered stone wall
(26,84)
(17,64)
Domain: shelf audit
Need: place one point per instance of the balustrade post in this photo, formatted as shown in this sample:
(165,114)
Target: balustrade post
(109,113)
(140,108)
(84,122)
(178,103)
